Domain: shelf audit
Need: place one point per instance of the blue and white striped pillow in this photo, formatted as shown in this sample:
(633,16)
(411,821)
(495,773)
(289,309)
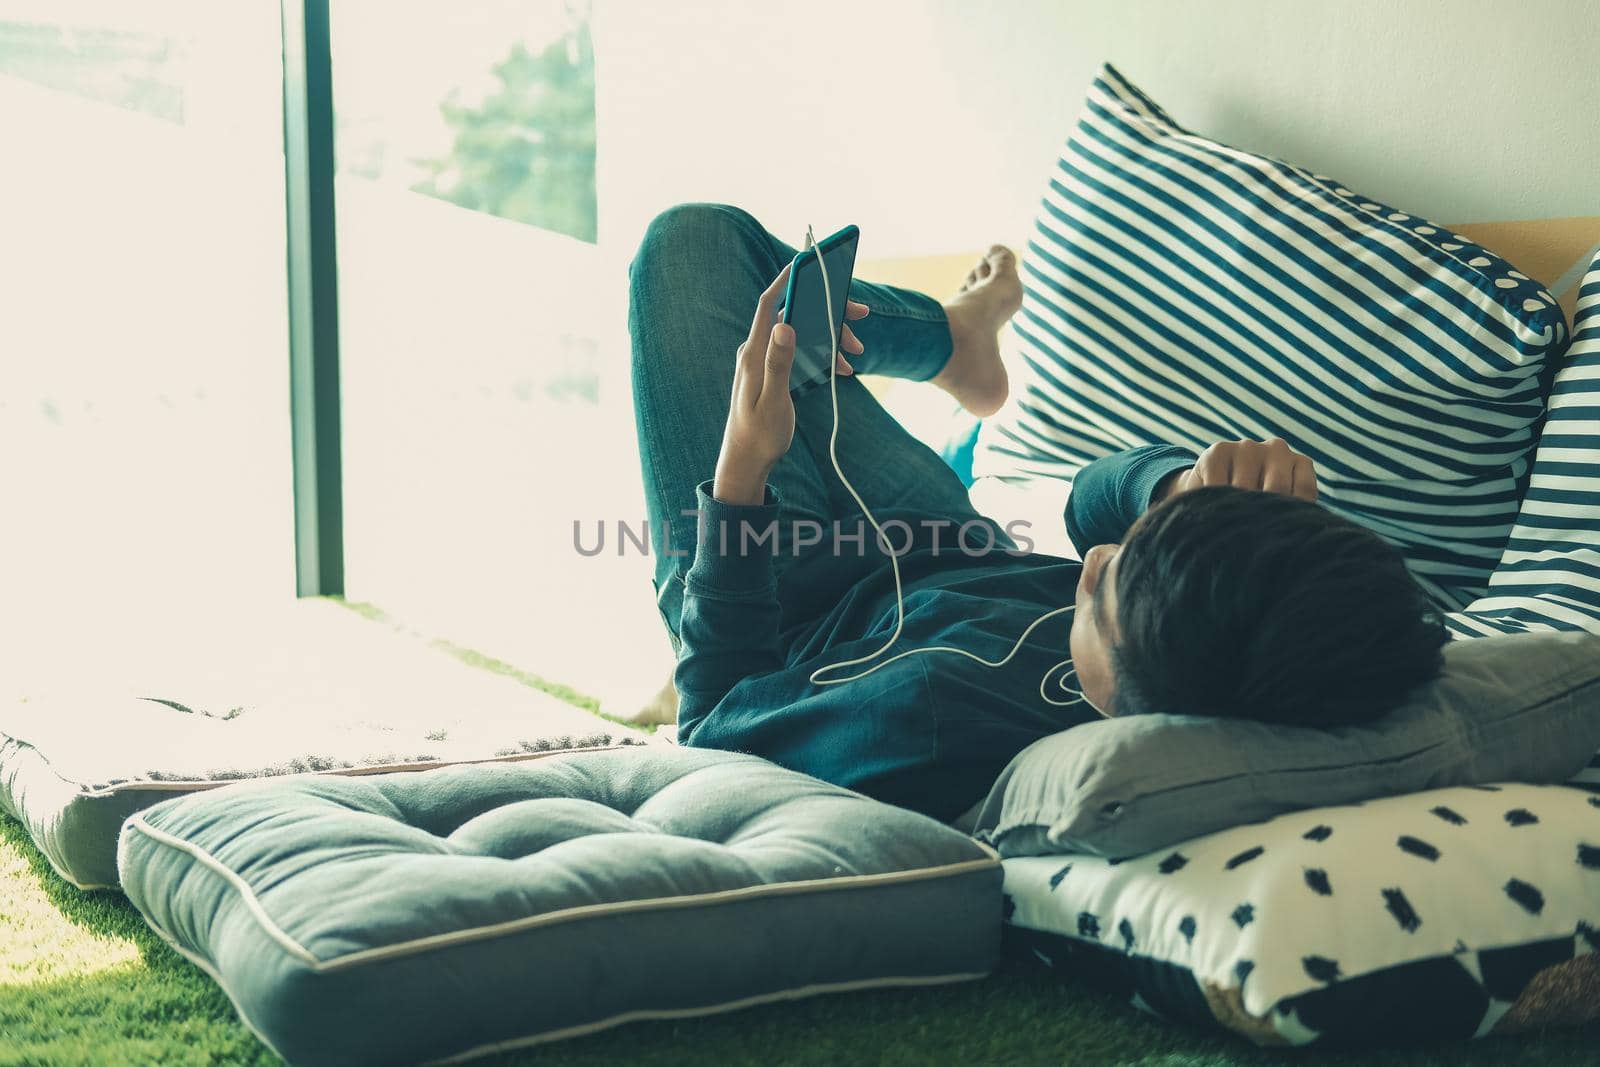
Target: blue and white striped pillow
(1179,290)
(1549,577)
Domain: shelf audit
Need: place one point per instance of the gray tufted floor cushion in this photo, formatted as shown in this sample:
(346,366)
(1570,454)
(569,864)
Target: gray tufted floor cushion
(413,917)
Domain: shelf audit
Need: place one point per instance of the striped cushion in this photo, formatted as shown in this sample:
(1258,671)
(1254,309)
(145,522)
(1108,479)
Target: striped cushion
(1549,577)
(1178,290)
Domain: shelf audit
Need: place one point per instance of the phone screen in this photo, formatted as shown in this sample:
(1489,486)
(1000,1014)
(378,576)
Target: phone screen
(807,311)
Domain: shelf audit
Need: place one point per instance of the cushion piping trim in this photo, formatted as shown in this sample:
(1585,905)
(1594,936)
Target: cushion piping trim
(722,1007)
(86,887)
(88,791)
(622,1018)
(136,823)
(216,976)
(8,806)
(205,859)
(83,887)
(201,784)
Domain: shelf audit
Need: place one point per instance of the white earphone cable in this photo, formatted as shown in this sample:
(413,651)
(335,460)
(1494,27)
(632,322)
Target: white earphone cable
(894,560)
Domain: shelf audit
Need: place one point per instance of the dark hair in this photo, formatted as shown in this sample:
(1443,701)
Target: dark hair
(1251,605)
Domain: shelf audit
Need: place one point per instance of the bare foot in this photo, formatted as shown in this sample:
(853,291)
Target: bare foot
(991,294)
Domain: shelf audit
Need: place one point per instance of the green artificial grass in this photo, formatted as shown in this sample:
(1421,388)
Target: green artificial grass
(83,981)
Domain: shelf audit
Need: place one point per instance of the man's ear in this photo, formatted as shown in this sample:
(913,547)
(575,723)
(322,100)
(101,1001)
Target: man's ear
(1094,566)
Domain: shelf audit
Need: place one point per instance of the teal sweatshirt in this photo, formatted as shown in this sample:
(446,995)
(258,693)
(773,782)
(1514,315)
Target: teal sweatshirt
(929,732)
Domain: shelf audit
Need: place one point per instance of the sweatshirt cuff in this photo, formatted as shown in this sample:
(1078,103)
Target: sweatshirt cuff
(734,544)
(1143,477)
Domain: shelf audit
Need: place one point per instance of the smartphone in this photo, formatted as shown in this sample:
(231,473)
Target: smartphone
(806,309)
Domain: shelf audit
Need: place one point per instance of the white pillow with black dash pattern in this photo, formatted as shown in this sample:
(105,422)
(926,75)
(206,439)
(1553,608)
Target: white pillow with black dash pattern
(1446,914)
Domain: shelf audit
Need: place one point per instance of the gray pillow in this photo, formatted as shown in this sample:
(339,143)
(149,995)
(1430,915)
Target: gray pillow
(1518,708)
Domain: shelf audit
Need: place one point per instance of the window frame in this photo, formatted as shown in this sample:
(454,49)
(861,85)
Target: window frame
(313,299)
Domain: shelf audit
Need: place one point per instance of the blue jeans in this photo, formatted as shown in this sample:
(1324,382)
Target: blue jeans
(692,289)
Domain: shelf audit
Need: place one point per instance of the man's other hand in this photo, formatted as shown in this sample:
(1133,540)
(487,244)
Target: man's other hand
(1267,466)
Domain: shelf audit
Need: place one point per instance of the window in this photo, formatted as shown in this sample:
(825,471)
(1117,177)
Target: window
(483,231)
(143,367)
(482,355)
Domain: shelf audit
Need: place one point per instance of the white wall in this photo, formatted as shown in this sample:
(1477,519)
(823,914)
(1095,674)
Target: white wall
(930,122)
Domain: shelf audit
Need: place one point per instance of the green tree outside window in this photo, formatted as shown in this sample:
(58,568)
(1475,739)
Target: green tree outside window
(526,152)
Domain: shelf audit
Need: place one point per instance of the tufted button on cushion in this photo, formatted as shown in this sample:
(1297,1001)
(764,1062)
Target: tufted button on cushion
(406,917)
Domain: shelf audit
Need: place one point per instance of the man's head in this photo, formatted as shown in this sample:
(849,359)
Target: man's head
(1251,605)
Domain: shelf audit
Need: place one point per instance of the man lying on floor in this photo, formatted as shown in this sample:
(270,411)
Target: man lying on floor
(1210,584)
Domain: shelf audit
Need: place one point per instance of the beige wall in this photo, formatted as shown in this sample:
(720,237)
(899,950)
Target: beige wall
(930,122)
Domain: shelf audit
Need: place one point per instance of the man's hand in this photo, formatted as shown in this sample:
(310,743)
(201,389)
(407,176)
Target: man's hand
(1268,466)
(761,414)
